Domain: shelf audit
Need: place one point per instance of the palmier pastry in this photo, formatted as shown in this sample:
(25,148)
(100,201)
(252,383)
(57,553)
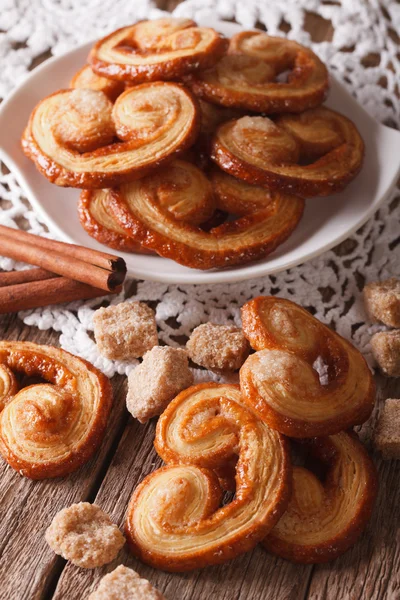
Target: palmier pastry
(70,135)
(8,385)
(51,429)
(157,50)
(211,116)
(324,520)
(141,210)
(238,197)
(174,520)
(280,382)
(96,218)
(264,152)
(87,79)
(247,76)
(170,184)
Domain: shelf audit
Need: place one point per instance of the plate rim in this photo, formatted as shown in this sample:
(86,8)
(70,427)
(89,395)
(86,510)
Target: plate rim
(195,276)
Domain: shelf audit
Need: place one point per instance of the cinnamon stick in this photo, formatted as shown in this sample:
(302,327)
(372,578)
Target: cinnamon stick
(41,252)
(34,294)
(94,257)
(15,277)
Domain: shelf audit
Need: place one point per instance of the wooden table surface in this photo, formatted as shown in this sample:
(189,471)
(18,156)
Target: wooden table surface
(30,570)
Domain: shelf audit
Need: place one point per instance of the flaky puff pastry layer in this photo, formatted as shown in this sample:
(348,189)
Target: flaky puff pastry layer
(97,220)
(238,197)
(138,208)
(277,153)
(279,382)
(323,520)
(246,77)
(87,79)
(70,135)
(195,205)
(157,50)
(174,520)
(51,429)
(8,385)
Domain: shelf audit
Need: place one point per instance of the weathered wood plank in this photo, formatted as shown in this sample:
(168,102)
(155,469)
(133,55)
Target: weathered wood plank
(27,566)
(255,575)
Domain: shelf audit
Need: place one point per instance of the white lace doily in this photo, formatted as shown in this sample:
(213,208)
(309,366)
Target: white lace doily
(363,53)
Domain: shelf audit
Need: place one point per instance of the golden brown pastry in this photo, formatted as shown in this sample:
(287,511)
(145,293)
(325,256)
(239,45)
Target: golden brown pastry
(175,521)
(8,385)
(87,79)
(324,519)
(157,50)
(51,429)
(96,218)
(280,381)
(272,153)
(238,197)
(70,135)
(246,77)
(140,209)
(211,116)
(170,183)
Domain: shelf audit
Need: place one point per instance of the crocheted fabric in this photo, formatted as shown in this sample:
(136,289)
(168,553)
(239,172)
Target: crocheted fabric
(362,51)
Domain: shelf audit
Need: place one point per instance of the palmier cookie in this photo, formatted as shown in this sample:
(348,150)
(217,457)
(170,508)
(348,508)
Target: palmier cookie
(281,382)
(71,134)
(324,519)
(272,153)
(97,219)
(51,429)
(238,197)
(246,77)
(87,79)
(157,50)
(140,210)
(175,521)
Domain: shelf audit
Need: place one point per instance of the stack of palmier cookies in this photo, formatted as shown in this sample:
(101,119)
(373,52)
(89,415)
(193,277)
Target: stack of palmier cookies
(192,146)
(301,392)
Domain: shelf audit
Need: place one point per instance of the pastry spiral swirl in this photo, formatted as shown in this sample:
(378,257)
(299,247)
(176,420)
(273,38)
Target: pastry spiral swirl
(97,220)
(8,385)
(51,429)
(70,135)
(87,79)
(238,197)
(323,520)
(140,211)
(194,205)
(279,382)
(174,521)
(157,50)
(246,77)
(270,153)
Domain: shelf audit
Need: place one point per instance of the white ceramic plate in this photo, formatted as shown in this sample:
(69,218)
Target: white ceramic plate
(326,221)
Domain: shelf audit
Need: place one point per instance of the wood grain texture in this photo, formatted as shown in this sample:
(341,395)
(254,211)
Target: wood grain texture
(29,570)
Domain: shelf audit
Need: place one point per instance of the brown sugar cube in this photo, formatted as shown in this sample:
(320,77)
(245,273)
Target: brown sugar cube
(382,301)
(125,584)
(125,331)
(386,350)
(218,347)
(163,373)
(387,430)
(85,535)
